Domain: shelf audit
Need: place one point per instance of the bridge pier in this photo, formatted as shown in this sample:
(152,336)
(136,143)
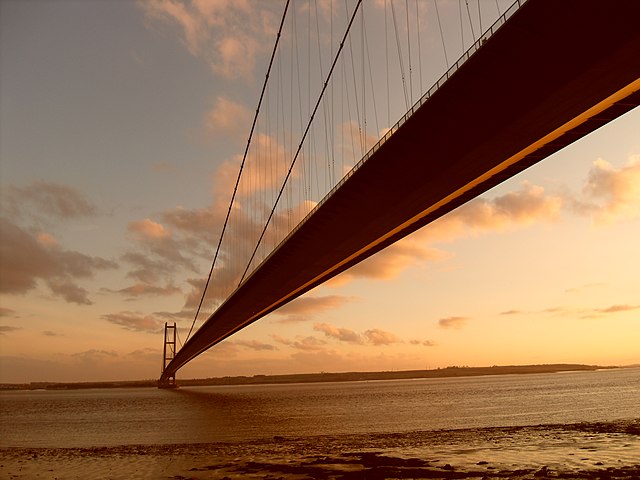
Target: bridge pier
(169,351)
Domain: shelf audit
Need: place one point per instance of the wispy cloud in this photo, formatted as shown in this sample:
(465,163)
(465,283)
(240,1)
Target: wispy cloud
(618,308)
(135,321)
(424,343)
(7,312)
(309,343)
(70,292)
(146,269)
(42,200)
(581,288)
(26,258)
(255,345)
(576,312)
(4,329)
(144,354)
(373,336)
(49,333)
(453,322)
(95,355)
(145,290)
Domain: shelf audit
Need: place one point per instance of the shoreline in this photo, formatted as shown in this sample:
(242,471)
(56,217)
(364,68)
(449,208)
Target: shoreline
(608,450)
(323,377)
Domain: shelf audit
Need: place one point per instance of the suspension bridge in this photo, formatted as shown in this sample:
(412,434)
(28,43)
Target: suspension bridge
(327,180)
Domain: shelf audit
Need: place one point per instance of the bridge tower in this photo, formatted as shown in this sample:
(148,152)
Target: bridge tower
(169,351)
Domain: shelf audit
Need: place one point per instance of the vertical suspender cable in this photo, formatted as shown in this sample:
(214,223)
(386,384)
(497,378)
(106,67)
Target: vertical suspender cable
(473,34)
(404,85)
(386,55)
(461,25)
(355,88)
(419,48)
(315,109)
(244,158)
(446,59)
(406,4)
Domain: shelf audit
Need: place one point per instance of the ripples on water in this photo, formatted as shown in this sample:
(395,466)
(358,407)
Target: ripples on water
(82,418)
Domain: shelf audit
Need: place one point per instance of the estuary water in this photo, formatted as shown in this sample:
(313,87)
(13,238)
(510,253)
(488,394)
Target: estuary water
(197,415)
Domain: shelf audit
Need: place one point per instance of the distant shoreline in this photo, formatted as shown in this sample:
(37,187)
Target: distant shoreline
(447,372)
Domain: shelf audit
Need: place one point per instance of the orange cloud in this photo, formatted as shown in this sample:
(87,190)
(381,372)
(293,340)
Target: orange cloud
(380,337)
(374,336)
(159,241)
(617,189)
(226,34)
(354,142)
(302,308)
(390,262)
(148,229)
(228,118)
(523,207)
(236,55)
(340,334)
(258,175)
(200,222)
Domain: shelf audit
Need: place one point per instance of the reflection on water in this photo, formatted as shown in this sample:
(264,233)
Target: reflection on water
(231,413)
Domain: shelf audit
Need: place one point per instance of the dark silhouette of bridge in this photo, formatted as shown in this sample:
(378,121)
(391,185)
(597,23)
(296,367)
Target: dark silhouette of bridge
(549,75)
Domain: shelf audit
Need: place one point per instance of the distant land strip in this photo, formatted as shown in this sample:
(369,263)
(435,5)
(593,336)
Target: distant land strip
(447,372)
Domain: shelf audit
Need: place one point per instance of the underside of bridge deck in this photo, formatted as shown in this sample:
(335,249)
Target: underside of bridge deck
(554,72)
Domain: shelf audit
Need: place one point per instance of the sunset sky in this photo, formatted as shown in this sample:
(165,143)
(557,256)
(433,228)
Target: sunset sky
(120,119)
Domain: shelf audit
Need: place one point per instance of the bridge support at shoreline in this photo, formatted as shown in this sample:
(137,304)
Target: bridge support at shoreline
(169,351)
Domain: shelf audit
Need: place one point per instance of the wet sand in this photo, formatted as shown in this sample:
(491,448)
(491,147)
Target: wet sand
(585,450)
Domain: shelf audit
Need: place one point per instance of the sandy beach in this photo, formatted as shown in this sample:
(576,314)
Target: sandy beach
(584,450)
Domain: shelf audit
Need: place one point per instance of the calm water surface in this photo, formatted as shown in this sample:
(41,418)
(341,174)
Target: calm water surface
(106,417)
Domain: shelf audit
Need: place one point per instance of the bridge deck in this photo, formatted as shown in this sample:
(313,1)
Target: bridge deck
(553,73)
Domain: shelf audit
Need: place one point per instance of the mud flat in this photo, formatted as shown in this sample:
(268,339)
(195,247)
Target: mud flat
(574,451)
